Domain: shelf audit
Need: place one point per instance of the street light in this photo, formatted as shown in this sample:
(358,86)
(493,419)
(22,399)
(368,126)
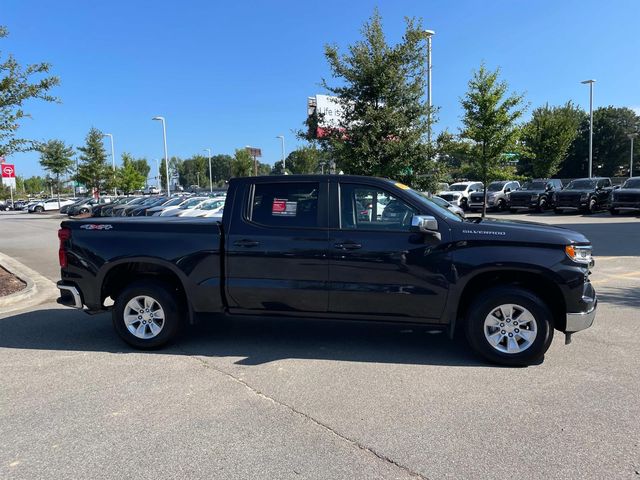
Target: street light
(631,137)
(113,159)
(208,150)
(429,34)
(590,82)
(281,137)
(166,158)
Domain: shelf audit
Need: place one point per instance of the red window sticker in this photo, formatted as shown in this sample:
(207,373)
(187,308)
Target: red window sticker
(279,206)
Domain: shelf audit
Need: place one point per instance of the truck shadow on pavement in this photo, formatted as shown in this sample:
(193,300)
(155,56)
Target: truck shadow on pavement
(255,341)
(620,296)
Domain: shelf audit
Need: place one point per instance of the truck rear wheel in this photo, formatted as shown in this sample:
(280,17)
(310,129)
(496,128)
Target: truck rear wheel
(509,325)
(146,314)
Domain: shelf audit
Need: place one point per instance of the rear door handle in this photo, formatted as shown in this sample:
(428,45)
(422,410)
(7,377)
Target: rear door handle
(347,246)
(246,243)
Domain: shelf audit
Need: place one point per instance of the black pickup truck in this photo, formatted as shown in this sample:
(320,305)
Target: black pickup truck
(538,195)
(627,197)
(307,247)
(586,195)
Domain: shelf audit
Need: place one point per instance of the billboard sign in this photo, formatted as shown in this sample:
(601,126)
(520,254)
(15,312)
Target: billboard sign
(328,111)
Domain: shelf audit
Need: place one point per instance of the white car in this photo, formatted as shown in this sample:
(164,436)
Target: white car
(458,193)
(193,202)
(49,204)
(212,206)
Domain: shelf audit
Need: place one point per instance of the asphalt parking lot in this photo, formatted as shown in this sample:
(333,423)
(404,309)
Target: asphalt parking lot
(305,399)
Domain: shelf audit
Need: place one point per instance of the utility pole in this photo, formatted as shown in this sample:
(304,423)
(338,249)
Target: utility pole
(284,167)
(208,150)
(590,83)
(113,161)
(631,137)
(429,34)
(166,156)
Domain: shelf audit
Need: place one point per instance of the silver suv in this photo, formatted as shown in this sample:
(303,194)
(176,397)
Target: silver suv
(498,195)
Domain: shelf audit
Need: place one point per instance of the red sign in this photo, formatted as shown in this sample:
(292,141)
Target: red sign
(8,170)
(279,206)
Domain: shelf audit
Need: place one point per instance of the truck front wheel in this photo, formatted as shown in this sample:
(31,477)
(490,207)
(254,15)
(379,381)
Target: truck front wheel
(509,325)
(146,314)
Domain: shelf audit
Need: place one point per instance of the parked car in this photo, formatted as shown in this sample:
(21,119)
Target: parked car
(296,246)
(498,196)
(193,202)
(18,204)
(443,203)
(141,209)
(118,210)
(458,193)
(48,205)
(86,206)
(5,205)
(65,209)
(627,197)
(584,195)
(211,206)
(106,209)
(152,190)
(172,202)
(538,195)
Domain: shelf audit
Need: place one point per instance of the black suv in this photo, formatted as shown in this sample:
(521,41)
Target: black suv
(627,197)
(538,194)
(584,195)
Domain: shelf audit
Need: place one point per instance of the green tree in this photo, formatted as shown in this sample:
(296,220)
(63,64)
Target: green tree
(221,168)
(141,165)
(385,120)
(56,158)
(34,185)
(129,177)
(611,125)
(548,136)
(195,171)
(17,86)
(489,122)
(304,160)
(175,165)
(242,164)
(93,170)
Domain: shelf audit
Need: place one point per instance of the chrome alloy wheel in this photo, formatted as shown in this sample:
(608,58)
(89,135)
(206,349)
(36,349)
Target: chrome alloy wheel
(144,317)
(510,328)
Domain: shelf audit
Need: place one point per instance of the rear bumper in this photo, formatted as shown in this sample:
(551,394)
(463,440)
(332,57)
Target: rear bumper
(626,205)
(69,295)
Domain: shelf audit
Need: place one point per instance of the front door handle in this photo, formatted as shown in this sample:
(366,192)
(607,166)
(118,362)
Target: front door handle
(246,243)
(347,245)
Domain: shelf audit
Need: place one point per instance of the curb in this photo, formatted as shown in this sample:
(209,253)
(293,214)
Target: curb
(39,289)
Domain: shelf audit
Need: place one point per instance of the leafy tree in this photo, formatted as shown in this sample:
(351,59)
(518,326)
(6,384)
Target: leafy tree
(93,170)
(56,158)
(548,136)
(385,117)
(34,185)
(175,164)
(129,178)
(221,167)
(141,165)
(195,171)
(17,86)
(242,164)
(611,125)
(489,122)
(304,160)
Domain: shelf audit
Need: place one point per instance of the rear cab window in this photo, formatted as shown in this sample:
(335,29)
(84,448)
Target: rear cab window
(285,205)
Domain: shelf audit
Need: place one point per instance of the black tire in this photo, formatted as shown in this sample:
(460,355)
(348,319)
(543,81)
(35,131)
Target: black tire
(614,211)
(464,204)
(513,210)
(489,301)
(164,296)
(83,211)
(38,209)
(501,205)
(558,211)
(542,205)
(592,206)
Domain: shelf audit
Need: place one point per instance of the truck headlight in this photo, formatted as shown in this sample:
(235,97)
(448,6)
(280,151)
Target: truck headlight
(534,196)
(584,196)
(579,253)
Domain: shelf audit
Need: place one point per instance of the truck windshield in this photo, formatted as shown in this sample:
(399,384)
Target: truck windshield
(534,186)
(581,185)
(632,183)
(458,187)
(496,186)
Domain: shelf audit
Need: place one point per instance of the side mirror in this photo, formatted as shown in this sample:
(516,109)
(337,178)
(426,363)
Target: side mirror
(425,224)
(507,190)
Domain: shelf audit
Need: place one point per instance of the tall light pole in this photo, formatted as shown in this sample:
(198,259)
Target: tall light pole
(429,34)
(590,82)
(113,159)
(631,137)
(166,157)
(281,137)
(208,150)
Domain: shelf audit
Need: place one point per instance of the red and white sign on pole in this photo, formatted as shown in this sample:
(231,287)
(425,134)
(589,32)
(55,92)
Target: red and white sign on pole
(8,175)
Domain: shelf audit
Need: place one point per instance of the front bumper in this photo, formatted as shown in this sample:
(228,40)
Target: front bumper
(626,205)
(581,321)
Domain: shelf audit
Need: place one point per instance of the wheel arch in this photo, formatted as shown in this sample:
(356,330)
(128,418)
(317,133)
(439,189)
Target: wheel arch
(541,284)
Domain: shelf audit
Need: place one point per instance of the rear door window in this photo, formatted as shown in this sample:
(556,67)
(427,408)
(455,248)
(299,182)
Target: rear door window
(287,205)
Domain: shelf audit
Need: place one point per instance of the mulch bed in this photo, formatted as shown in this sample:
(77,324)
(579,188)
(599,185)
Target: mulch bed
(9,283)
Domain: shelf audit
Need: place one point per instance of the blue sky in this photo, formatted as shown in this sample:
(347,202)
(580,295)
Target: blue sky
(230,74)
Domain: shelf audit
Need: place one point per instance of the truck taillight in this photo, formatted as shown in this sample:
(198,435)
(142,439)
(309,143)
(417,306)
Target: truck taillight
(64,234)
